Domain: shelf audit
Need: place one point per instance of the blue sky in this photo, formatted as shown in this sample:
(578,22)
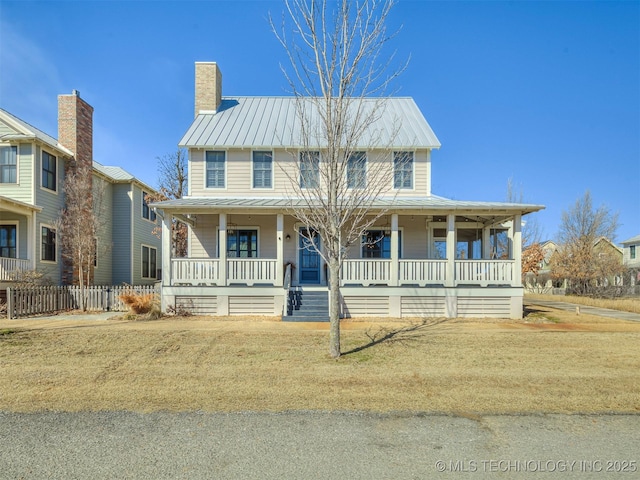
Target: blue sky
(544,93)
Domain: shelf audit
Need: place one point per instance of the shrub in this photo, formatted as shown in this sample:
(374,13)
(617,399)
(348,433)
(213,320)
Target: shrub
(139,302)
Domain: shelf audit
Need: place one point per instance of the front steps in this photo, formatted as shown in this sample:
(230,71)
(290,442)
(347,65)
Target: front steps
(306,305)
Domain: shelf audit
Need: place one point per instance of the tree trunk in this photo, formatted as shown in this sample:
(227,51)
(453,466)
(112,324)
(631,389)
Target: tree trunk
(334,309)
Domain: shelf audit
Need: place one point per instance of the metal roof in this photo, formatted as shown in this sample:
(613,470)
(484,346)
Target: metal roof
(265,122)
(119,175)
(431,203)
(29,132)
(635,239)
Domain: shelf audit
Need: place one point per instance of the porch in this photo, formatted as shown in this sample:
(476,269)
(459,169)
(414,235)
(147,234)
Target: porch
(10,266)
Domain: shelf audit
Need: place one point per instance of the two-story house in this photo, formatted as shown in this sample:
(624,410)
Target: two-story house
(431,256)
(32,180)
(631,252)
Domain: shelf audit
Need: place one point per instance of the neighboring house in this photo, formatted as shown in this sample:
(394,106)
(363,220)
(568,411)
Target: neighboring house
(631,252)
(433,256)
(32,180)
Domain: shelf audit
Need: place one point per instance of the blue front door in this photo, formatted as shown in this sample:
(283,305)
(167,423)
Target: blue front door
(309,258)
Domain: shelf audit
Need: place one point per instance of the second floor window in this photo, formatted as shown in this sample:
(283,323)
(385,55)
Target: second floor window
(357,170)
(309,169)
(262,169)
(49,171)
(402,169)
(48,253)
(632,252)
(8,164)
(215,169)
(147,212)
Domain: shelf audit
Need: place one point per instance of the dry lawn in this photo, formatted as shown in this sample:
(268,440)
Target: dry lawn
(552,362)
(626,304)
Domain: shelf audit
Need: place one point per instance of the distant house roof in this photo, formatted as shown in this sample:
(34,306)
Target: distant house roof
(635,239)
(29,132)
(246,122)
(119,175)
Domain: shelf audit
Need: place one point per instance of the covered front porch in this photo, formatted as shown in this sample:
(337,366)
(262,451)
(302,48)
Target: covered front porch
(414,254)
(17,238)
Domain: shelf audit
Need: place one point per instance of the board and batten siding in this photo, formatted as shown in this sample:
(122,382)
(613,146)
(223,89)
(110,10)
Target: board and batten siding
(121,235)
(239,173)
(23,189)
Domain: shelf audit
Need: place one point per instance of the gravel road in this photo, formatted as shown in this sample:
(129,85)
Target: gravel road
(312,445)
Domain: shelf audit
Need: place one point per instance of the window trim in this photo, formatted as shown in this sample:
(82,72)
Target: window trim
(413,169)
(632,252)
(384,229)
(17,182)
(225,170)
(317,171)
(237,227)
(16,224)
(55,251)
(55,173)
(253,170)
(366,170)
(151,212)
(142,247)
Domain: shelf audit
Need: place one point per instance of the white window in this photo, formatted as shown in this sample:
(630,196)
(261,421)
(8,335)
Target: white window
(402,169)
(147,212)
(357,170)
(48,250)
(49,171)
(9,164)
(149,269)
(309,169)
(262,169)
(215,161)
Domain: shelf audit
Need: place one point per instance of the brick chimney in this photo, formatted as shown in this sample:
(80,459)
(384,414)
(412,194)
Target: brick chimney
(208,87)
(75,127)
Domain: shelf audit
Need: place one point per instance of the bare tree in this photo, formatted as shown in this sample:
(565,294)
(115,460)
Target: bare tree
(80,224)
(531,230)
(172,181)
(585,261)
(338,76)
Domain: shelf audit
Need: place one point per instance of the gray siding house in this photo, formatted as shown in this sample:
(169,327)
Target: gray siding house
(32,179)
(430,256)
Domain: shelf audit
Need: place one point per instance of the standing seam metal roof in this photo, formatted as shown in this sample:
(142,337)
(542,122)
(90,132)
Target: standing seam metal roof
(247,122)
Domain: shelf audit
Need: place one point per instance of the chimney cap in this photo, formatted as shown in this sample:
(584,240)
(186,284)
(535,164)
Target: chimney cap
(75,92)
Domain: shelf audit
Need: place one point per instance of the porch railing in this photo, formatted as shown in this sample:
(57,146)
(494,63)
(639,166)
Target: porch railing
(484,272)
(10,265)
(422,272)
(195,271)
(366,271)
(206,271)
(249,271)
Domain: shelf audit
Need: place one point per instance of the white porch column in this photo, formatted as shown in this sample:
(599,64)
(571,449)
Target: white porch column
(394,250)
(430,253)
(451,250)
(166,249)
(222,248)
(486,243)
(517,250)
(279,250)
(32,239)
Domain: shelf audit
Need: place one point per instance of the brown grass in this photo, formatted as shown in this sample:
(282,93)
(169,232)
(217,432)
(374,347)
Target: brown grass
(547,363)
(138,302)
(628,304)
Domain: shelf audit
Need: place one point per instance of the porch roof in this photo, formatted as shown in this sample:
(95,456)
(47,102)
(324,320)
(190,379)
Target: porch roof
(16,206)
(431,204)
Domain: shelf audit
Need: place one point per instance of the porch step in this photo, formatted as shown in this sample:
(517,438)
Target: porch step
(307,306)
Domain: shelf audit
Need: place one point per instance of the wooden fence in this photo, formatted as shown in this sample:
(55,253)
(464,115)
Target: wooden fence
(29,301)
